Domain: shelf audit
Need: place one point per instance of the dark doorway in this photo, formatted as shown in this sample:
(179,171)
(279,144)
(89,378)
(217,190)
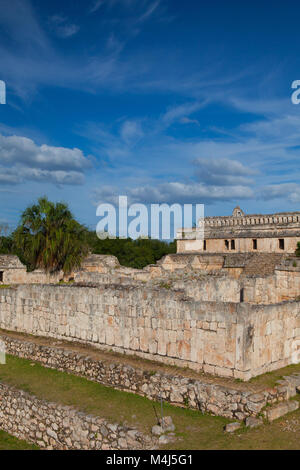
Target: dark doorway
(254,244)
(233,244)
(281,243)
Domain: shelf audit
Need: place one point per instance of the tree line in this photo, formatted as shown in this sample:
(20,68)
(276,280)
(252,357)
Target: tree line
(49,237)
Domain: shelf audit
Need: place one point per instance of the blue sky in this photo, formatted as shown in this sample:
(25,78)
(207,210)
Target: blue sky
(159,100)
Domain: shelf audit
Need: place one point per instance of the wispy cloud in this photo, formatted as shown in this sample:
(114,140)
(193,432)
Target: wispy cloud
(131,131)
(176,113)
(96,5)
(187,120)
(62,27)
(150,10)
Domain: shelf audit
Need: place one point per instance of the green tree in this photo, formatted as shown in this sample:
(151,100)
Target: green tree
(298,249)
(132,253)
(50,238)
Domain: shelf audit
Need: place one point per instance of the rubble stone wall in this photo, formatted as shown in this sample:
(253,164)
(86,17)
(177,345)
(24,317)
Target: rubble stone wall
(221,400)
(53,426)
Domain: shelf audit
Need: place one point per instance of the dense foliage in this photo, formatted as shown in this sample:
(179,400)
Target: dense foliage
(132,253)
(298,249)
(49,237)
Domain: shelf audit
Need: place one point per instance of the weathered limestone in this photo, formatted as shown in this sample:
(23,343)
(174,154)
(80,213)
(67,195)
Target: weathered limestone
(231,339)
(12,271)
(53,426)
(253,422)
(281,409)
(232,427)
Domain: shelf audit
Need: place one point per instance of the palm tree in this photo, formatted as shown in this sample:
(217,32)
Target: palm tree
(50,238)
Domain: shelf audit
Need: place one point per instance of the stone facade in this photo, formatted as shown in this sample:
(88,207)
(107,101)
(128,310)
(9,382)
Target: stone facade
(53,426)
(206,396)
(240,233)
(232,339)
(12,271)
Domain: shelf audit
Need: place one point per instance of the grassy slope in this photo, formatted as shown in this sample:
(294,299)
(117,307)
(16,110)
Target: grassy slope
(194,430)
(8,442)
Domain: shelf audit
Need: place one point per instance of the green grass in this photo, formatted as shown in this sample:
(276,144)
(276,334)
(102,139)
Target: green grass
(8,442)
(193,429)
(269,379)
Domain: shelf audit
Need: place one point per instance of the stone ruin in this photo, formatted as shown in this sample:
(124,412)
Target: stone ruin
(243,233)
(12,271)
(228,314)
(234,312)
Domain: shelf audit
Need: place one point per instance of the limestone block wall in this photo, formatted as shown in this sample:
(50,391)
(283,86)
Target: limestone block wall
(53,426)
(182,261)
(156,324)
(282,285)
(14,276)
(271,336)
(211,288)
(21,276)
(228,339)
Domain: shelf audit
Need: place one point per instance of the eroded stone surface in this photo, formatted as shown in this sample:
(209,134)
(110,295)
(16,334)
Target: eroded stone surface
(232,427)
(252,422)
(281,409)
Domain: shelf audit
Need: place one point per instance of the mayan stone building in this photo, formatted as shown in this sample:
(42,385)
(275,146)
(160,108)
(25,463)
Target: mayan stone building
(242,233)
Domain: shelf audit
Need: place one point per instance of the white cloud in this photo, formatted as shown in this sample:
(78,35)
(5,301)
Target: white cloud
(22,159)
(15,149)
(289,191)
(18,174)
(223,171)
(174,192)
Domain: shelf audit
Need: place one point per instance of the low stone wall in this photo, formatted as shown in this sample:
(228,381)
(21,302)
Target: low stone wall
(198,394)
(53,426)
